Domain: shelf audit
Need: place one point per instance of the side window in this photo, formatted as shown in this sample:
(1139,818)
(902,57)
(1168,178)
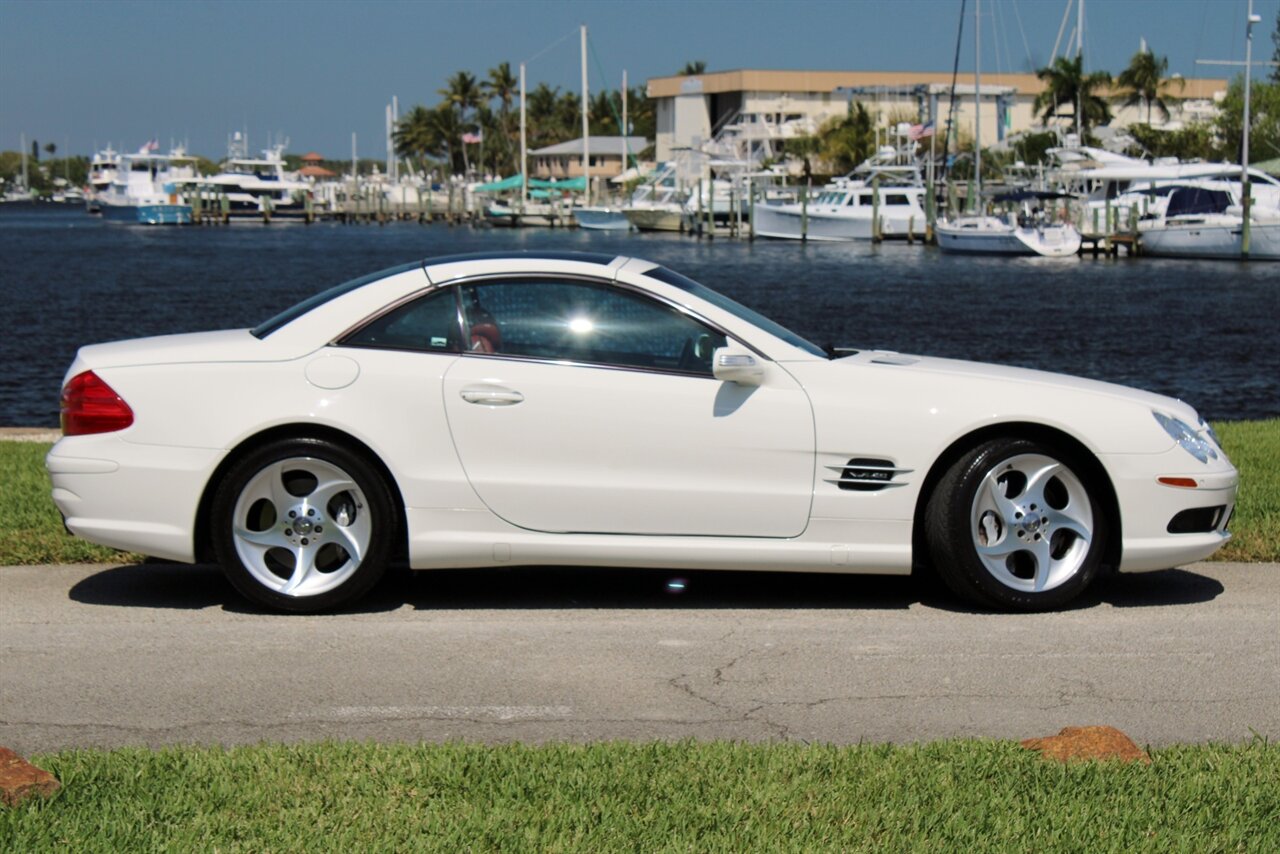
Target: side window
(428,324)
(582,322)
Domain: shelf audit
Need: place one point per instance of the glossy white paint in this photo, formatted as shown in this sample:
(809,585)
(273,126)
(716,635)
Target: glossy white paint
(602,466)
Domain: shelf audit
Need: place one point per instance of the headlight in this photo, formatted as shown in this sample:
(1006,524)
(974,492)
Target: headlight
(1187,436)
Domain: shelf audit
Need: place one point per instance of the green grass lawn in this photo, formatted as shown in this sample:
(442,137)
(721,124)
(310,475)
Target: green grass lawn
(715,796)
(31,531)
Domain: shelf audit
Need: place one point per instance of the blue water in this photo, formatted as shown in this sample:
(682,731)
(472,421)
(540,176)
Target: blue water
(1203,331)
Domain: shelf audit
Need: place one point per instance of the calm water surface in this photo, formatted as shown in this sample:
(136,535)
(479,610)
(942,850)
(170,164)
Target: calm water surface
(1201,331)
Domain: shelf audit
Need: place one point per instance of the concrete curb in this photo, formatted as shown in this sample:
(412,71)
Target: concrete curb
(30,434)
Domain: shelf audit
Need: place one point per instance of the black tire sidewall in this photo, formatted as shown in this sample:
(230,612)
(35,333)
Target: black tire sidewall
(380,507)
(951,541)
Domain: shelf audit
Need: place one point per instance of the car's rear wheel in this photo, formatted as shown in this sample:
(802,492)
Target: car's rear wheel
(1014,524)
(303,525)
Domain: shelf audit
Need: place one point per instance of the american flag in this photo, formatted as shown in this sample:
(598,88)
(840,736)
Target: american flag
(920,131)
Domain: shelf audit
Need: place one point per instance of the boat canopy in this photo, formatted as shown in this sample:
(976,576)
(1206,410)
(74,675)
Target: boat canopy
(1185,201)
(1028,195)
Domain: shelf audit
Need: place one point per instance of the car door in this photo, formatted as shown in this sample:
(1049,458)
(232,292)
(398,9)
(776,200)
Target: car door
(587,407)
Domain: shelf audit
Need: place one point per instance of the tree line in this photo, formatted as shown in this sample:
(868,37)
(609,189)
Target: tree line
(475,127)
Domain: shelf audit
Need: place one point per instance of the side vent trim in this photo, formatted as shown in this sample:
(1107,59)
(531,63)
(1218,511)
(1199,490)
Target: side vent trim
(865,474)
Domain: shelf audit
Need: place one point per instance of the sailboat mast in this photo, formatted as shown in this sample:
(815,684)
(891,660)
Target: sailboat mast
(524,156)
(586,146)
(1080,59)
(1246,190)
(977,100)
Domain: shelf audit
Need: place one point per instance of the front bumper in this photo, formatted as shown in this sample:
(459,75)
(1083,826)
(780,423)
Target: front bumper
(1148,507)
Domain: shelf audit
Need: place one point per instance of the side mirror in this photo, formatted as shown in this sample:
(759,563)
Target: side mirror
(735,366)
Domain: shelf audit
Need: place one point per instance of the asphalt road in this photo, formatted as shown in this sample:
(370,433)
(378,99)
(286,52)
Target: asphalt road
(156,654)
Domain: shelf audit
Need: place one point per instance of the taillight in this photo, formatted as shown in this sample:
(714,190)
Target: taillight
(91,406)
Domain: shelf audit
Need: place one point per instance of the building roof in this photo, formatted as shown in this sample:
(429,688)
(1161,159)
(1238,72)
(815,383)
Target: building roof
(312,157)
(758,80)
(601,145)
(315,172)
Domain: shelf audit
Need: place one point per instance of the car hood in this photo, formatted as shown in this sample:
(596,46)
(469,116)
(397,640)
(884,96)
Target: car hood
(944,368)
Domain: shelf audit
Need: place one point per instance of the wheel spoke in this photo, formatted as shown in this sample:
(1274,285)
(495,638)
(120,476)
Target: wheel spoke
(1005,547)
(1060,520)
(330,489)
(350,542)
(1037,481)
(993,491)
(268,539)
(303,566)
(1044,563)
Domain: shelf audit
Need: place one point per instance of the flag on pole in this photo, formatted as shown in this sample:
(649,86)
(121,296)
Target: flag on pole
(918,132)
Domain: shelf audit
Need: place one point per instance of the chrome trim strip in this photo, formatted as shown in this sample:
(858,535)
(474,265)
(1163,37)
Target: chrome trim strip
(868,468)
(877,484)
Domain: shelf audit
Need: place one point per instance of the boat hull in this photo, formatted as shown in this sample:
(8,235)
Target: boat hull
(602,219)
(788,222)
(1053,242)
(657,220)
(1212,241)
(158,214)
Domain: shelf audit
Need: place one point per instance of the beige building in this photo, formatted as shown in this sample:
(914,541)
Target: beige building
(564,160)
(692,110)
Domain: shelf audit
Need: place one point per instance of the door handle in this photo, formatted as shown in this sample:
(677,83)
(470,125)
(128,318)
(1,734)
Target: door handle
(491,395)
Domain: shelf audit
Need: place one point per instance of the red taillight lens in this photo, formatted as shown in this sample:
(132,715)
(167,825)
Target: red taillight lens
(91,406)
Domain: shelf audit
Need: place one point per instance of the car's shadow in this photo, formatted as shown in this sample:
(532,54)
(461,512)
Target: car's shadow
(161,585)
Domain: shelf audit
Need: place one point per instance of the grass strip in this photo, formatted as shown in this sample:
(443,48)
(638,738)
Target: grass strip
(686,796)
(31,530)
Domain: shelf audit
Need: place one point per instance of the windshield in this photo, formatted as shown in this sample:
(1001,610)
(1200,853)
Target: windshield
(684,283)
(264,329)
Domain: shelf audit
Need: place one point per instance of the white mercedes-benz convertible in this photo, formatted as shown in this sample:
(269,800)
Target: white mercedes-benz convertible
(558,408)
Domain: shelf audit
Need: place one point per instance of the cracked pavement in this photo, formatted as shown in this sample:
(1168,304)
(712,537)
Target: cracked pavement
(156,654)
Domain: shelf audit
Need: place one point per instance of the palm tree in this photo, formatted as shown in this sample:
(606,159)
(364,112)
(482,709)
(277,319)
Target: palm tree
(503,85)
(692,68)
(462,94)
(428,133)
(1144,81)
(848,140)
(540,109)
(1066,83)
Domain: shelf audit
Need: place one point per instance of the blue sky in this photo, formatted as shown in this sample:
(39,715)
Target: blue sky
(80,73)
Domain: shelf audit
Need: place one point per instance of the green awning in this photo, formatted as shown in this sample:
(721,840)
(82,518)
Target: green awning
(578,184)
(512,183)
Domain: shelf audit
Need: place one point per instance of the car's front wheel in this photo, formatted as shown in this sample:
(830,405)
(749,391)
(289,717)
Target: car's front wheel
(303,525)
(1013,524)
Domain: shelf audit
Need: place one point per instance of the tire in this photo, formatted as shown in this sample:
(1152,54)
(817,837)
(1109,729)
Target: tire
(1014,525)
(303,525)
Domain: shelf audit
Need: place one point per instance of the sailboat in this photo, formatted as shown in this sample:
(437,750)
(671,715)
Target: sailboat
(1026,233)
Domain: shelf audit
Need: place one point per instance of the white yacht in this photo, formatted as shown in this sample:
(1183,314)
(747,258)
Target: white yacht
(254,187)
(885,195)
(102,170)
(145,189)
(658,204)
(1205,219)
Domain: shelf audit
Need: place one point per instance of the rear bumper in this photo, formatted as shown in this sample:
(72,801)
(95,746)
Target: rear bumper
(141,498)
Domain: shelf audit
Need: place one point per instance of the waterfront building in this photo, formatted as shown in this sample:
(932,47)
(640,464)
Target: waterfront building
(564,160)
(691,110)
